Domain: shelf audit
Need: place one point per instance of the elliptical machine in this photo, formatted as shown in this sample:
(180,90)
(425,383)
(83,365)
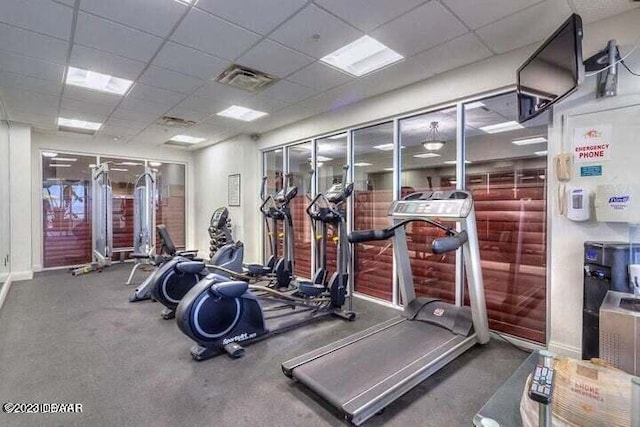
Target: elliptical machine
(274,209)
(178,275)
(221,314)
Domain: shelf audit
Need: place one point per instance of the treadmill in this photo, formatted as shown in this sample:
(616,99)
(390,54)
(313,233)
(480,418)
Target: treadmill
(360,375)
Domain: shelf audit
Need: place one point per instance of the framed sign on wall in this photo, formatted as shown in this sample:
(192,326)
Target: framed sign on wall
(234,190)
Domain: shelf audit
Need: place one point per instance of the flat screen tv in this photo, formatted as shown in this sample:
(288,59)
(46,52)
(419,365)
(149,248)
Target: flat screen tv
(554,71)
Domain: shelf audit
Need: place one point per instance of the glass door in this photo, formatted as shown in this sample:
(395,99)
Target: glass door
(428,163)
(506,172)
(66,209)
(331,156)
(373,194)
(274,173)
(299,160)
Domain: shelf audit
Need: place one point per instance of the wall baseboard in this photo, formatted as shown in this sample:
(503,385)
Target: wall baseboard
(4,290)
(565,350)
(21,275)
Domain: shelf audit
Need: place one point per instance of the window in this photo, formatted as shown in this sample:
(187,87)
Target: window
(507,176)
(373,194)
(171,208)
(428,154)
(331,156)
(504,168)
(66,209)
(299,157)
(273,164)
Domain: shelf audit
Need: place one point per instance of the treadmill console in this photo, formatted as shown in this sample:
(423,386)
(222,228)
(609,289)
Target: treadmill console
(453,204)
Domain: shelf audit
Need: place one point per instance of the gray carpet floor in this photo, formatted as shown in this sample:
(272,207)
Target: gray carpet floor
(78,339)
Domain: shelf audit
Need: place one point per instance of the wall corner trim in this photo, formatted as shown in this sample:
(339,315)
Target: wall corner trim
(18,276)
(4,290)
(565,350)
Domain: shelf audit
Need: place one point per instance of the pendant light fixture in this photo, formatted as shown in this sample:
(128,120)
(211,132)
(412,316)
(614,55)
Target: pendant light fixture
(433,142)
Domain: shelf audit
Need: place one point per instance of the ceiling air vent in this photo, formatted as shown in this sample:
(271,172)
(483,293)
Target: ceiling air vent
(245,78)
(174,122)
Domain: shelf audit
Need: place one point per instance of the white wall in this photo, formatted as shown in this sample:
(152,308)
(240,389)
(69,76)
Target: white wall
(84,144)
(565,268)
(213,166)
(567,237)
(5,230)
(20,205)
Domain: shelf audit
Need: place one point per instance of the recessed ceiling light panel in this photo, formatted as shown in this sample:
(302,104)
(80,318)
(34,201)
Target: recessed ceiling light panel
(384,147)
(362,56)
(426,155)
(186,139)
(529,141)
(78,124)
(241,113)
(502,127)
(362,164)
(97,81)
(49,154)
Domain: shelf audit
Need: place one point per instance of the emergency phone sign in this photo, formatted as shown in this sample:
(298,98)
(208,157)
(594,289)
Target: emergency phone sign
(592,144)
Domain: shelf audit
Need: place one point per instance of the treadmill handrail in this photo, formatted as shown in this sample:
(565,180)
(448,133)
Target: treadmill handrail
(452,241)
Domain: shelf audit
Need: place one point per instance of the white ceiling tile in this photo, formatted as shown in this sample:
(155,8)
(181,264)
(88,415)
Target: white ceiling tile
(319,77)
(213,35)
(368,14)
(482,12)
(594,10)
(20,98)
(118,132)
(96,60)
(67,2)
(210,130)
(128,124)
(115,38)
(125,114)
(44,17)
(273,58)
(154,94)
(257,15)
(516,30)
(137,104)
(186,114)
(299,32)
(453,54)
(154,16)
(14,63)
(34,84)
(265,104)
(190,61)
(91,96)
(170,80)
(83,110)
(287,91)
(423,28)
(203,105)
(41,121)
(221,93)
(27,43)
(155,134)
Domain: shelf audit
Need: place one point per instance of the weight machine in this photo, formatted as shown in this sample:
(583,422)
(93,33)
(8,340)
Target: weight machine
(102,221)
(144,221)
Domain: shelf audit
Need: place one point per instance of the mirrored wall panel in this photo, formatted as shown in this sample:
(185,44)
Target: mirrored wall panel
(299,158)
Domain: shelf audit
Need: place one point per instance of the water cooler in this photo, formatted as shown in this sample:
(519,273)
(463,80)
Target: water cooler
(605,269)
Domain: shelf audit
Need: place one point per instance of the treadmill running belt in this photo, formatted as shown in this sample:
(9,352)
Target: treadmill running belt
(349,372)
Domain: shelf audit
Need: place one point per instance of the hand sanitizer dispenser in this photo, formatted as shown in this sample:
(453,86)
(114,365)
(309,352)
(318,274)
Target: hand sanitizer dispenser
(617,203)
(578,204)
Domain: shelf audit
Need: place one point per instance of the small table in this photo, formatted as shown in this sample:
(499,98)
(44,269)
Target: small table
(504,406)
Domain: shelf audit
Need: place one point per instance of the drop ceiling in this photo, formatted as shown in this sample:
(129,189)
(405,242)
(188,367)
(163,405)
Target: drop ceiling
(174,51)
